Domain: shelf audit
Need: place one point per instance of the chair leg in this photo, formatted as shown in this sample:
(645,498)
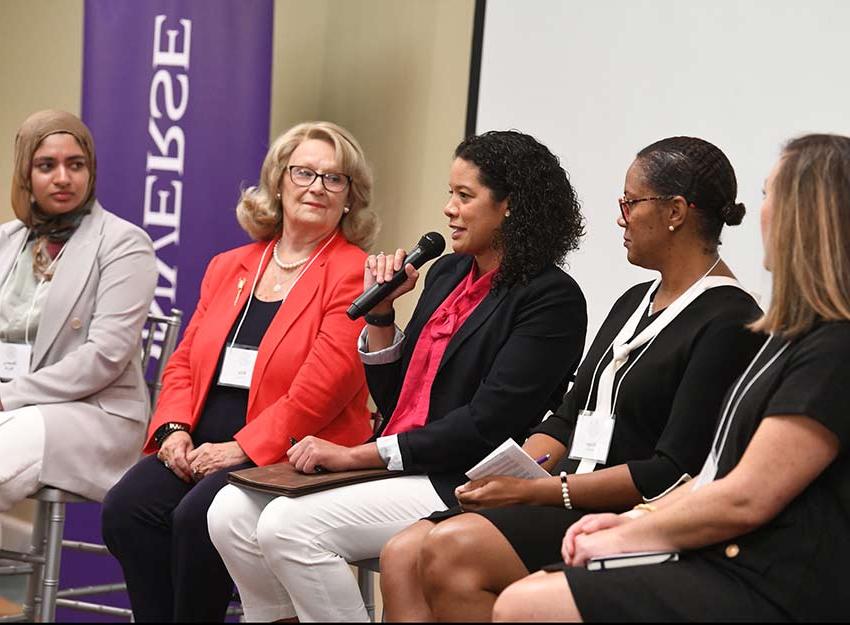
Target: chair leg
(53,556)
(366,582)
(33,599)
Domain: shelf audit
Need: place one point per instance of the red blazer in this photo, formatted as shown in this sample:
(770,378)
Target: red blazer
(308,378)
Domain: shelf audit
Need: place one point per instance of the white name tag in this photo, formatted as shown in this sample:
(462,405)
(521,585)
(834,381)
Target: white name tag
(238,366)
(14,360)
(592,438)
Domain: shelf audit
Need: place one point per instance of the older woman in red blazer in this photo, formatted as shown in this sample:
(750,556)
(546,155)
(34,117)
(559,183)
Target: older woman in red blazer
(268,357)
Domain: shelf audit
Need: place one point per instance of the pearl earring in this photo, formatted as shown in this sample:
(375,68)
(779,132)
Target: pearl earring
(277,196)
(345,209)
(671,228)
(507,213)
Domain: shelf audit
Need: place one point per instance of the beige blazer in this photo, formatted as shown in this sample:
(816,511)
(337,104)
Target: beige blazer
(86,372)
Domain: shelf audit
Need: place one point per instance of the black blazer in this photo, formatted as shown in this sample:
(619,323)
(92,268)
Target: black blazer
(508,364)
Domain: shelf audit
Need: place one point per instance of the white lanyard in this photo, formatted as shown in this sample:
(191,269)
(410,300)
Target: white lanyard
(709,469)
(16,358)
(35,295)
(599,423)
(288,291)
(237,368)
(622,346)
(14,267)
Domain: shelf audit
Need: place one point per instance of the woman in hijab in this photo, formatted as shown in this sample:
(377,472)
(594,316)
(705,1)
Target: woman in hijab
(75,286)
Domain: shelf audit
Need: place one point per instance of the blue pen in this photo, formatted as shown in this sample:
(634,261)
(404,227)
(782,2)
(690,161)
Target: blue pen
(543,458)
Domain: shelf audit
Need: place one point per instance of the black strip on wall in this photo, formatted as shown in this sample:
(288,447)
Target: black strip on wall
(475,66)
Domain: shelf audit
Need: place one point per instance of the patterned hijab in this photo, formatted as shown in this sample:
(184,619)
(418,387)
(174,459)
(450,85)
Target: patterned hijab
(46,228)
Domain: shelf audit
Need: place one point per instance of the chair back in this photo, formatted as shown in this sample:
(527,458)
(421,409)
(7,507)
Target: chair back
(159,338)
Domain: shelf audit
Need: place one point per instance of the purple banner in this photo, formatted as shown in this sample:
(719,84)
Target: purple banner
(177,95)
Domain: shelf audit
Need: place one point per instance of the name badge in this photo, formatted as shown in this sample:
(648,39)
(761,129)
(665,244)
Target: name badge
(15,360)
(592,437)
(238,366)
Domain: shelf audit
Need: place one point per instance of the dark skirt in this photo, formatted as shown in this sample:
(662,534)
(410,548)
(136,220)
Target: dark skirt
(535,532)
(696,588)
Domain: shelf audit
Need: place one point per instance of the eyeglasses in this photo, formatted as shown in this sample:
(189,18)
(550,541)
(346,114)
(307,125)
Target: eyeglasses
(626,205)
(331,181)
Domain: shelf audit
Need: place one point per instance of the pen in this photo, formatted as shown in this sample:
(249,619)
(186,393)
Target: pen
(543,458)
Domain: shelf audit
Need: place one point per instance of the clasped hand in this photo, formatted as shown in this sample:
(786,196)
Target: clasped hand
(311,452)
(592,536)
(212,457)
(178,454)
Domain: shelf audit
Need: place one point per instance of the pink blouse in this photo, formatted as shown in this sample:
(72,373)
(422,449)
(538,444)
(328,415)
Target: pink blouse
(415,397)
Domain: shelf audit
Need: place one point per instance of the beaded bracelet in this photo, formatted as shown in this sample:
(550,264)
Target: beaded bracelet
(565,491)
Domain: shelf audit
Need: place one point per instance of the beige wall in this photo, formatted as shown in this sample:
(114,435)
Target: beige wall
(395,73)
(41,47)
(33,77)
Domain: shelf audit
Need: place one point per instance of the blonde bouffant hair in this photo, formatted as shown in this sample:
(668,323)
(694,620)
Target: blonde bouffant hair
(259,211)
(809,239)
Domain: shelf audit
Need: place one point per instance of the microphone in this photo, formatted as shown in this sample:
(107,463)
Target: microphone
(429,247)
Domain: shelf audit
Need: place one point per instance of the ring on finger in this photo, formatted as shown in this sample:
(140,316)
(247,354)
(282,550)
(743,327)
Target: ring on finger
(166,465)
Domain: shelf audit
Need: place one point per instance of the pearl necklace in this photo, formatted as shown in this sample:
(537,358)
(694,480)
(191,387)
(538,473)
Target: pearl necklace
(286,266)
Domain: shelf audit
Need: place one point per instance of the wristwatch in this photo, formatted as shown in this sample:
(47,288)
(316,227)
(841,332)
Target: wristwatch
(167,429)
(382,321)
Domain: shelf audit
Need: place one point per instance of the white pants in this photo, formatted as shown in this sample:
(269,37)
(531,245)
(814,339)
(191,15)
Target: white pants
(288,556)
(21,454)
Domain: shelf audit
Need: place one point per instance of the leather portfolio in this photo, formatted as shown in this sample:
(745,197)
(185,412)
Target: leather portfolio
(283,479)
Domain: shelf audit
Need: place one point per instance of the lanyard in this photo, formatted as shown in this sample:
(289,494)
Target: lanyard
(288,291)
(730,411)
(38,287)
(35,296)
(623,344)
(9,275)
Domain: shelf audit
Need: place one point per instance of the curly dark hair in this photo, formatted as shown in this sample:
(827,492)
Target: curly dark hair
(545,220)
(700,172)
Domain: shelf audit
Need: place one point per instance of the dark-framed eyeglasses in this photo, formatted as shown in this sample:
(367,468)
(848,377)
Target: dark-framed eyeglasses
(626,205)
(331,181)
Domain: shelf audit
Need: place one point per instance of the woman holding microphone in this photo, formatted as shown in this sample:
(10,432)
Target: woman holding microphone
(488,350)
(652,381)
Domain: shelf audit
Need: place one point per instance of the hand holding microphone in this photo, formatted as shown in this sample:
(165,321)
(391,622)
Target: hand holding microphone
(380,269)
(387,277)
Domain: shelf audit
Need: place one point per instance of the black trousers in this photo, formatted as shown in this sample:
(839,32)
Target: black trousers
(156,525)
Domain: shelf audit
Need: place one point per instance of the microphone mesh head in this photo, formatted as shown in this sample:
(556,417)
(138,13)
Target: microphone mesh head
(433,243)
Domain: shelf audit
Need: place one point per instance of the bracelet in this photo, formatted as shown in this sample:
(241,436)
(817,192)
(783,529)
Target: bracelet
(565,491)
(648,507)
(167,429)
(382,321)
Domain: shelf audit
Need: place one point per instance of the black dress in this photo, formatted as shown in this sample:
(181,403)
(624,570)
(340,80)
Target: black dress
(794,566)
(665,413)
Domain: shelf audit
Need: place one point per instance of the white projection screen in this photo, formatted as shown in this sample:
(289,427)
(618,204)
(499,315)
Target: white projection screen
(597,81)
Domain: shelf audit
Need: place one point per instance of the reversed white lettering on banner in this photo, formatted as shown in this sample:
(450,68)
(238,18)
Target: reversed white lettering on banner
(168,102)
